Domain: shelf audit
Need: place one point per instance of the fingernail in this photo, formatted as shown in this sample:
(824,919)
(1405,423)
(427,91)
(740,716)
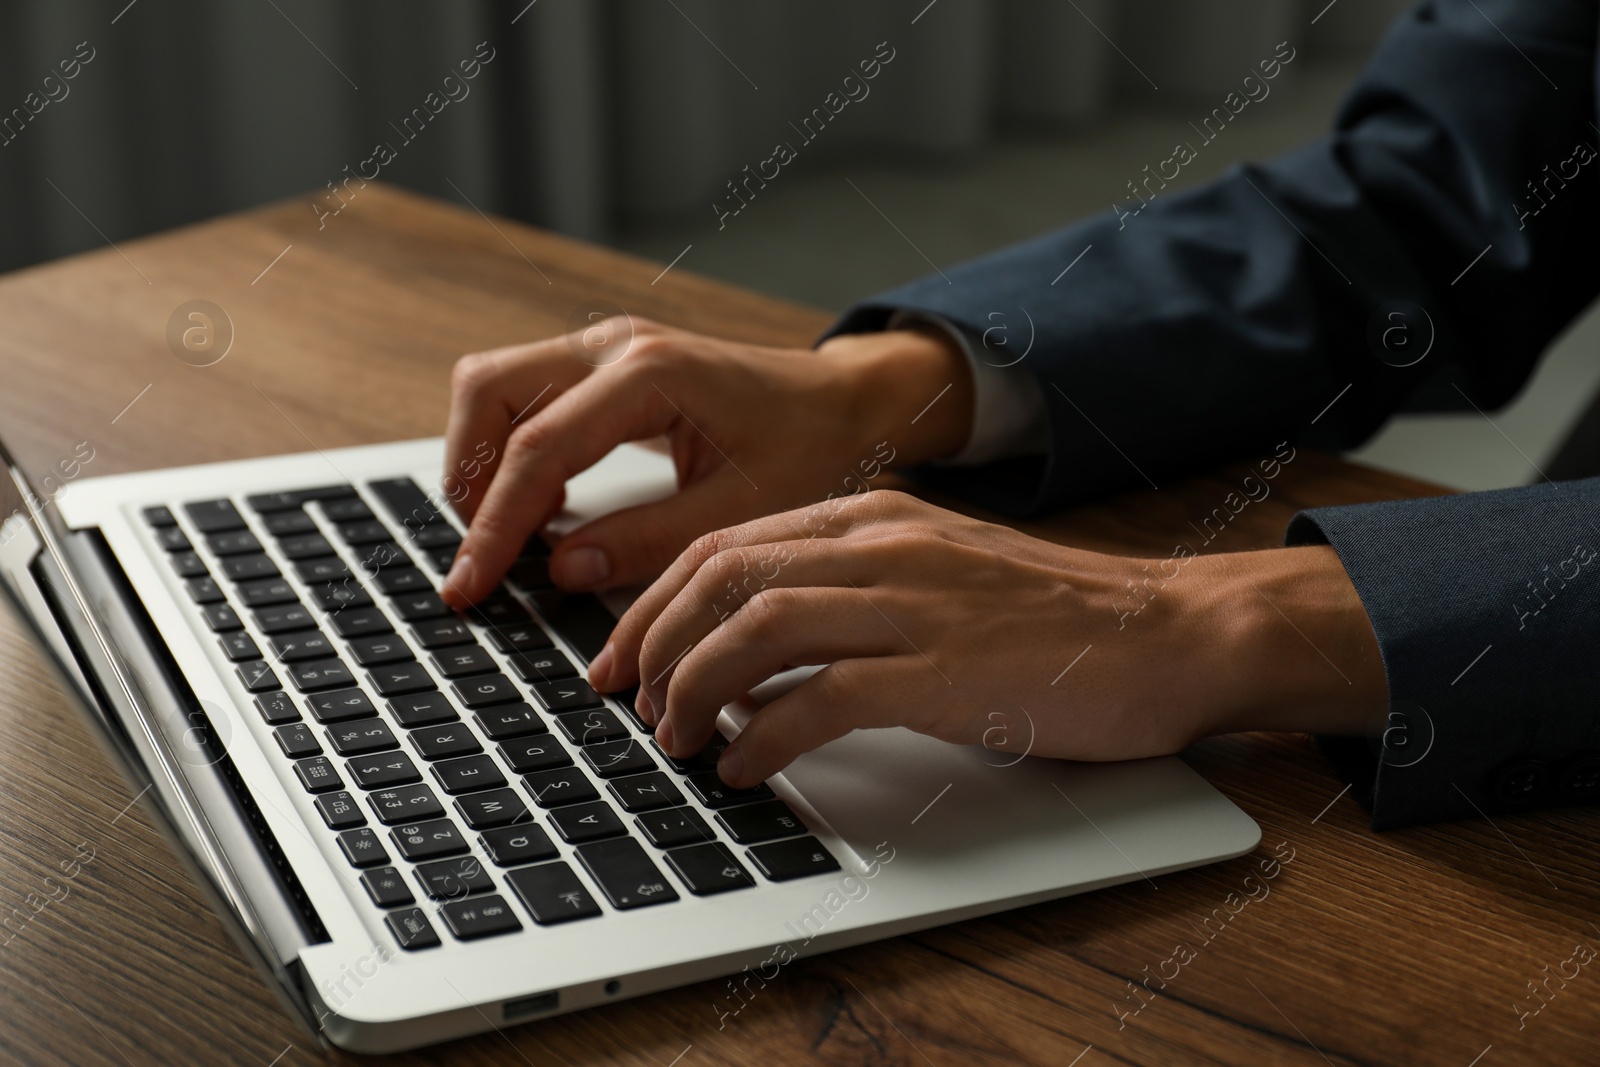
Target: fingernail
(460,577)
(646,710)
(664,736)
(731,765)
(600,669)
(582,567)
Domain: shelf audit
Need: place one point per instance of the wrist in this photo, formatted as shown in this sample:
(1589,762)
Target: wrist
(1297,649)
(912,387)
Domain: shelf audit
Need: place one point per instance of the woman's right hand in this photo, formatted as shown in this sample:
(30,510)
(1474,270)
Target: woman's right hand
(753,431)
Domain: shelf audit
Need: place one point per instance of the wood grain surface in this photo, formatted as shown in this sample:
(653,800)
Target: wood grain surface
(1414,947)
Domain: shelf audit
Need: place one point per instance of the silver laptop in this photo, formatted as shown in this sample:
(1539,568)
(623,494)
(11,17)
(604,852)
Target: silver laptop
(422,825)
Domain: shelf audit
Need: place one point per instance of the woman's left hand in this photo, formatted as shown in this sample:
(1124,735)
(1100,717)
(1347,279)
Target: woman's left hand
(976,633)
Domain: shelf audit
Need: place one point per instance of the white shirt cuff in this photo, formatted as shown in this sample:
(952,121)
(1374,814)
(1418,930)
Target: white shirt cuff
(1008,417)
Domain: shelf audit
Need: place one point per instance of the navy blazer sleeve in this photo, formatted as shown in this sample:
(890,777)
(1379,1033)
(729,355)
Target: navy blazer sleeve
(1460,186)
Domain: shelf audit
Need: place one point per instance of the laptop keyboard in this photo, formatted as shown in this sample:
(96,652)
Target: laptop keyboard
(466,772)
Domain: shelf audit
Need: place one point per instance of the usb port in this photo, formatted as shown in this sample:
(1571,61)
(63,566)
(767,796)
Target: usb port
(538,1004)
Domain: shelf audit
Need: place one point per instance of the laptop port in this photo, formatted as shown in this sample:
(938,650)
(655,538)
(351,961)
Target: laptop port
(538,1004)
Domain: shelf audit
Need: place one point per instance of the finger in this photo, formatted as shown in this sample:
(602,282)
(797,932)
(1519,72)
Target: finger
(577,429)
(636,544)
(849,695)
(490,393)
(776,630)
(818,523)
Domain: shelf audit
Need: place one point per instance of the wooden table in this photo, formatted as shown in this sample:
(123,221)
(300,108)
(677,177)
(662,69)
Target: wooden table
(1406,948)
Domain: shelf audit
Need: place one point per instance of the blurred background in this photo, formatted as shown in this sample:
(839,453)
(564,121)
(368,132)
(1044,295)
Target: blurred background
(622,121)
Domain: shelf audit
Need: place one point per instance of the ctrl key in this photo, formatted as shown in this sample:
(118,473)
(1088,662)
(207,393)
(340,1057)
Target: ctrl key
(479,917)
(410,928)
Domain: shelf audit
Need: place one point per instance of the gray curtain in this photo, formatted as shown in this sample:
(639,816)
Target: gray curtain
(593,114)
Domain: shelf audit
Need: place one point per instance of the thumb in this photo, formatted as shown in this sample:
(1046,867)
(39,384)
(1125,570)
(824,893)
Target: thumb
(636,544)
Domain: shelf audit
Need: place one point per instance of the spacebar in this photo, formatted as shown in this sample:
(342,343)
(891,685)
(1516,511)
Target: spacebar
(579,618)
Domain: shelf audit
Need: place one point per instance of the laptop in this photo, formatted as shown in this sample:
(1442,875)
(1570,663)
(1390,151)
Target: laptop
(422,825)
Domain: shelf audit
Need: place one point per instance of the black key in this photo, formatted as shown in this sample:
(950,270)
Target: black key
(453,879)
(320,674)
(546,666)
(264,591)
(258,676)
(797,857)
(505,721)
(522,637)
(410,928)
(625,698)
(643,792)
(750,824)
(358,622)
(221,618)
(486,689)
(441,633)
(533,546)
(405,803)
(363,533)
(305,546)
(439,535)
(586,822)
(388,889)
(362,848)
(361,737)
(479,917)
(277,708)
(463,661)
(499,609)
(375,649)
(406,503)
(321,569)
(422,709)
(204,590)
(214,516)
(239,646)
(468,774)
(337,596)
(414,607)
(627,875)
(159,516)
(616,758)
(496,807)
(442,742)
(711,791)
(339,811)
(393,679)
(282,618)
(297,740)
(318,775)
(303,644)
(290,523)
(187,564)
(529,754)
(671,827)
(375,558)
(552,893)
(531,574)
(704,760)
(709,868)
(439,560)
(560,786)
(591,727)
(244,568)
(428,840)
(172,539)
(566,695)
(580,619)
(233,543)
(341,705)
(512,845)
(383,769)
(397,580)
(293,498)
(350,509)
